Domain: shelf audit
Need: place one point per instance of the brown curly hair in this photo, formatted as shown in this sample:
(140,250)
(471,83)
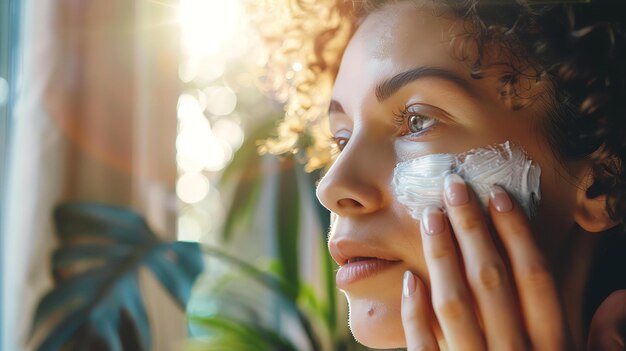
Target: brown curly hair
(580,49)
(577,46)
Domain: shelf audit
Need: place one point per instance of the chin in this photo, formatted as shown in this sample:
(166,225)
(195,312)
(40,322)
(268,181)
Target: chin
(375,321)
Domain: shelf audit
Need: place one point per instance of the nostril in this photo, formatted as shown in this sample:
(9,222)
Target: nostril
(349,203)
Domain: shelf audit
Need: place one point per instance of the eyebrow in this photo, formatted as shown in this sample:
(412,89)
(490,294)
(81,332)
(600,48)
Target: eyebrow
(390,86)
(335,106)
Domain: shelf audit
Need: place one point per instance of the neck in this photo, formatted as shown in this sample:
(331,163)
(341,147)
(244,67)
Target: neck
(572,268)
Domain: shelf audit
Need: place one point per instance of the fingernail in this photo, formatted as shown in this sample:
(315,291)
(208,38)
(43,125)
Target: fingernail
(455,189)
(500,199)
(408,284)
(432,220)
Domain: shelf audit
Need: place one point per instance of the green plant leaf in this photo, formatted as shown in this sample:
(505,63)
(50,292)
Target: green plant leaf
(242,206)
(245,173)
(287,217)
(249,336)
(328,301)
(273,283)
(96,273)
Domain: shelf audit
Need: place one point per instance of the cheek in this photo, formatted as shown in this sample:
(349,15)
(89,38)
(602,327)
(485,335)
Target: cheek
(418,183)
(555,218)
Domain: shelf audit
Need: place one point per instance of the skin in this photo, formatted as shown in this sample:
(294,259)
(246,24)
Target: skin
(465,295)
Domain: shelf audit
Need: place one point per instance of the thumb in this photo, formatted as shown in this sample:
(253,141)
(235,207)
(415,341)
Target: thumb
(608,325)
(416,315)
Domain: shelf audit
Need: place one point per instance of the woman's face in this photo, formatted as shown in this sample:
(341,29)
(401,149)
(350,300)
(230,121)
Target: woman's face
(398,64)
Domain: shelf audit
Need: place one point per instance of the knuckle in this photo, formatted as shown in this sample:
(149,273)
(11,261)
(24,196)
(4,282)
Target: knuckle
(536,274)
(410,320)
(450,309)
(469,223)
(489,276)
(440,251)
(517,232)
(410,316)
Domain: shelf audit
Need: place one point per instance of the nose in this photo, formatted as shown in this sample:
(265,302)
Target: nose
(357,183)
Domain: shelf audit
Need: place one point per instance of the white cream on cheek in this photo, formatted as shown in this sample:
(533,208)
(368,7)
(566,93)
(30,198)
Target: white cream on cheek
(418,183)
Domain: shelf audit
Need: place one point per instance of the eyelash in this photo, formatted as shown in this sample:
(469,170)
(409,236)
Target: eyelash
(402,118)
(336,142)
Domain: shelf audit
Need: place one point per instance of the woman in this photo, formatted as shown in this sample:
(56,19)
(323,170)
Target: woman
(459,78)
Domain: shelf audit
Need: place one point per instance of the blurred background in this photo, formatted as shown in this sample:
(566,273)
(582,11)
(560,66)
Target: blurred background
(156,107)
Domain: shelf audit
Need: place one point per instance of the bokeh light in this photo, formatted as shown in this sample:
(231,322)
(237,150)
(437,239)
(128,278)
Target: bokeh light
(197,143)
(192,187)
(207,24)
(230,131)
(215,36)
(296,67)
(221,101)
(188,106)
(189,228)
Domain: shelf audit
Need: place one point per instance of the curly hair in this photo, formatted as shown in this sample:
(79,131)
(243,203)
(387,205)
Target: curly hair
(580,48)
(577,46)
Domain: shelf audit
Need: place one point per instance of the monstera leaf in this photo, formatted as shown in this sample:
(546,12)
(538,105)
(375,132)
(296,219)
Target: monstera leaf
(96,272)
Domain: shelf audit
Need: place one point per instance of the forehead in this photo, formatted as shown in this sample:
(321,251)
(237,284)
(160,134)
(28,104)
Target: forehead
(402,23)
(394,39)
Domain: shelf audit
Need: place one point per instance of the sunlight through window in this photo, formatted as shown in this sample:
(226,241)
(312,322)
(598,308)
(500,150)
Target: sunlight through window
(215,36)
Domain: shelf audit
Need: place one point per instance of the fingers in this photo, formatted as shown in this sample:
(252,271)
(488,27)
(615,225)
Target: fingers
(538,297)
(484,267)
(415,315)
(516,312)
(451,299)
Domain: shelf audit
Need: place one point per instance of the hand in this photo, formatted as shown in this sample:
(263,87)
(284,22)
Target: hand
(608,325)
(476,303)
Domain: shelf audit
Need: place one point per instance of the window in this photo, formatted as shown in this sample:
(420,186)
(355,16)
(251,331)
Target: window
(9,13)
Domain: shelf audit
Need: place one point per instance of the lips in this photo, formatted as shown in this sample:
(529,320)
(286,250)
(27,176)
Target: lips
(343,250)
(358,261)
(360,268)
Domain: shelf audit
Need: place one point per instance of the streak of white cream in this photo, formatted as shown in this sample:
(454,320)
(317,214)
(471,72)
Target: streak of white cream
(418,183)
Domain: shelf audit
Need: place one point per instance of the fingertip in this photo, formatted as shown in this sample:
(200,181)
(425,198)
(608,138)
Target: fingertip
(409,284)
(506,213)
(410,298)
(500,199)
(455,190)
(415,314)
(420,287)
(433,221)
(414,295)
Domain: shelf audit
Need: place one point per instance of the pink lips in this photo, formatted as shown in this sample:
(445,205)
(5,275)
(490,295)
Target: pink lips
(359,268)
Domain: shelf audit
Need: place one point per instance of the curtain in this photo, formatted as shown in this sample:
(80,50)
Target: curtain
(94,120)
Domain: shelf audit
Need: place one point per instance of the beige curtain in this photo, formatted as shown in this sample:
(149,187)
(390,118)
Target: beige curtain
(95,120)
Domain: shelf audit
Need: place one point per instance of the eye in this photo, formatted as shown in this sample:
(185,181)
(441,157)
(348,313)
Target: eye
(341,138)
(340,142)
(413,121)
(418,123)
